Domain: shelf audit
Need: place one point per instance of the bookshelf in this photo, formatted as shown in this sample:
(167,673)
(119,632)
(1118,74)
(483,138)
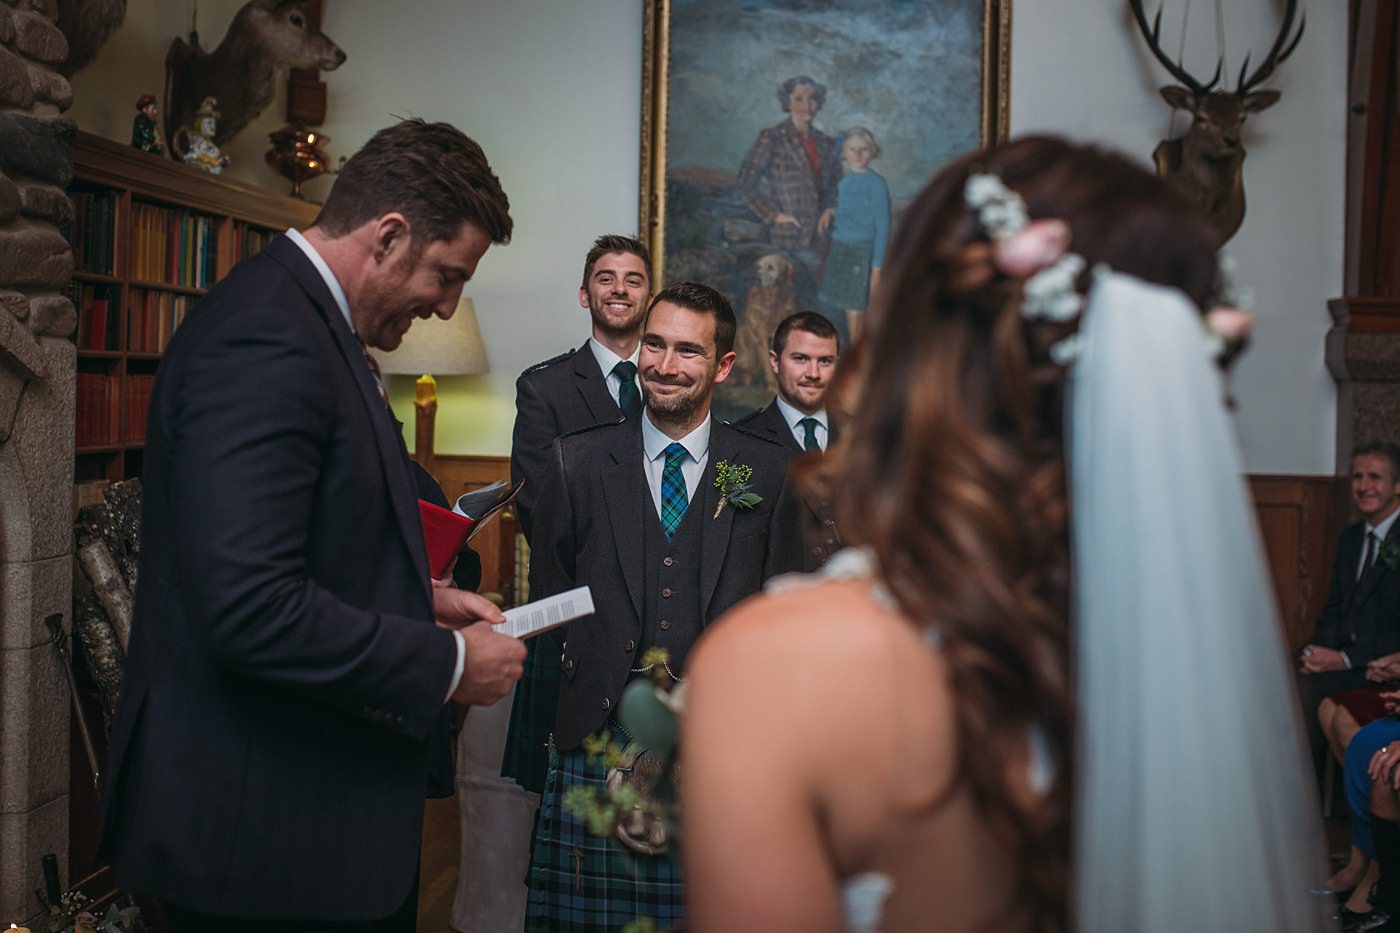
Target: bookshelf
(149,236)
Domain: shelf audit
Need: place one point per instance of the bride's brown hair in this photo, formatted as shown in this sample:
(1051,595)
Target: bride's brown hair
(953,471)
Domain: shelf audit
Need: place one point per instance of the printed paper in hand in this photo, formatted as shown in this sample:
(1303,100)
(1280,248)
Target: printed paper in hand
(544,614)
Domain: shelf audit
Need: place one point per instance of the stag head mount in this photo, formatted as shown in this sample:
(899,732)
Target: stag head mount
(1206,162)
(264,41)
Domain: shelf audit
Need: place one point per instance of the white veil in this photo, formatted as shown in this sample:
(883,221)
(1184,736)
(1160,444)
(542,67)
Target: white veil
(1194,808)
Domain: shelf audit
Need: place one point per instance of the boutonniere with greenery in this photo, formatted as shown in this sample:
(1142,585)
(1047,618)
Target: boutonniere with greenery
(733,485)
(1390,553)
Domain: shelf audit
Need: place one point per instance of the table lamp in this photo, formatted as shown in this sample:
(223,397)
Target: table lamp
(435,347)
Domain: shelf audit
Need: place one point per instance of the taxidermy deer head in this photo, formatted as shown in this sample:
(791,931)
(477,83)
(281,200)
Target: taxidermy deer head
(265,39)
(1207,160)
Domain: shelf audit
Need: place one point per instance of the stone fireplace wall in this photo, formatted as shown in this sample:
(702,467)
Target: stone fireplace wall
(37,366)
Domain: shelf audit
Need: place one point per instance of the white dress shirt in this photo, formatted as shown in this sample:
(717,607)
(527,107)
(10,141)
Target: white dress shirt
(654,444)
(607,359)
(792,416)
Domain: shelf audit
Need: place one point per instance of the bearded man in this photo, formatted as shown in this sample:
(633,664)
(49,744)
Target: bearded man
(646,513)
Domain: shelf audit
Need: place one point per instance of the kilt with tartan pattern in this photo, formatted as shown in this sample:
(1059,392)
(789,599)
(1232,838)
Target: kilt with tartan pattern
(581,882)
(526,757)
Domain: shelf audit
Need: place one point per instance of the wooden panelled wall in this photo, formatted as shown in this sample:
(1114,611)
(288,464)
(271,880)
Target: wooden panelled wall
(496,542)
(1299,518)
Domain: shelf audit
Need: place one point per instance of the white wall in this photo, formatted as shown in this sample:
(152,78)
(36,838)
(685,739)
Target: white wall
(1079,68)
(551,91)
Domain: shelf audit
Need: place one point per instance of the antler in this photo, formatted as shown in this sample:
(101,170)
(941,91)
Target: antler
(1275,57)
(1178,71)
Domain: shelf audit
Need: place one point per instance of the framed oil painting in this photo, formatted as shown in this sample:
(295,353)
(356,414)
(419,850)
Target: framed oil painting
(781,139)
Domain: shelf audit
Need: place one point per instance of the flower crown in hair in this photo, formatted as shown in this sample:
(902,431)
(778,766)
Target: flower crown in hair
(1038,251)
(1034,250)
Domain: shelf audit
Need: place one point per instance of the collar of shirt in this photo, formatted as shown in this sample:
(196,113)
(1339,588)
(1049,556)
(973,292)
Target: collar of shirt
(327,275)
(654,444)
(1383,528)
(607,359)
(792,416)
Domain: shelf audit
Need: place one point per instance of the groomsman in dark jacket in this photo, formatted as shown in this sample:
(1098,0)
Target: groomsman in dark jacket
(1361,619)
(269,756)
(804,355)
(591,385)
(640,512)
(595,384)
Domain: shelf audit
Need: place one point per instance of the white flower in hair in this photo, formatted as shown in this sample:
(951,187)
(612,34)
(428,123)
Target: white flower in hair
(1051,292)
(1000,211)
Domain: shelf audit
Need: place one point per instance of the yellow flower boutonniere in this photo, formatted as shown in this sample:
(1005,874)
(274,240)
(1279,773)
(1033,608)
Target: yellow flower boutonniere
(733,484)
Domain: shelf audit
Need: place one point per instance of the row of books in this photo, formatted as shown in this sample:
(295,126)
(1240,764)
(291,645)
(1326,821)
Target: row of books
(173,245)
(99,314)
(94,218)
(106,415)
(249,241)
(152,317)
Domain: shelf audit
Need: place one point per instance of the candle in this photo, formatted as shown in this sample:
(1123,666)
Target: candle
(18,929)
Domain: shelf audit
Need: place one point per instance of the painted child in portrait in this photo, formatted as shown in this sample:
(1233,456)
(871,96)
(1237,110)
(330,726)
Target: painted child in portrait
(859,233)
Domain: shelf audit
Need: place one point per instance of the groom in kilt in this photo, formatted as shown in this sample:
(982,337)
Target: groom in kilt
(634,510)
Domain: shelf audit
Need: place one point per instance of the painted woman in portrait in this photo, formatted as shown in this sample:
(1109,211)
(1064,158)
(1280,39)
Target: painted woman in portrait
(788,179)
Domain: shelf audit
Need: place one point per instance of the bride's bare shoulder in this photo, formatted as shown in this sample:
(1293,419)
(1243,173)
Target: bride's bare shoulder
(798,631)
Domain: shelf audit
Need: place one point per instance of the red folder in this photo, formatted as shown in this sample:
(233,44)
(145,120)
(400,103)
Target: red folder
(445,532)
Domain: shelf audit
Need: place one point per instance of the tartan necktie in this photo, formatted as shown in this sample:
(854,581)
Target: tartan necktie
(374,371)
(629,399)
(809,434)
(673,495)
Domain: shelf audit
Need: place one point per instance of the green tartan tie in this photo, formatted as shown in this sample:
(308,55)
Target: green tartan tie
(629,399)
(809,434)
(673,494)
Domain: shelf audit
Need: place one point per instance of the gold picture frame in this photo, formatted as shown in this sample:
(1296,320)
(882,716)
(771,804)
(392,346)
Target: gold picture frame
(928,80)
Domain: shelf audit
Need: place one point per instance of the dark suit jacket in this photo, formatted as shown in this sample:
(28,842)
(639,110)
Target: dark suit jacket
(1361,617)
(810,507)
(590,531)
(269,754)
(558,396)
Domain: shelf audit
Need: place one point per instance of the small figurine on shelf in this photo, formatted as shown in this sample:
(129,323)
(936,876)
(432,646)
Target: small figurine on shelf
(145,129)
(195,143)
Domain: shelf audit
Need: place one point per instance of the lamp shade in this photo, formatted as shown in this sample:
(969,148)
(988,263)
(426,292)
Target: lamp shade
(439,348)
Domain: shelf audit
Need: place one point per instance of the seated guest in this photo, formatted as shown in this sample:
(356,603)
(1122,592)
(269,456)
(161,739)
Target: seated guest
(1361,619)
(1374,835)
(803,358)
(1341,717)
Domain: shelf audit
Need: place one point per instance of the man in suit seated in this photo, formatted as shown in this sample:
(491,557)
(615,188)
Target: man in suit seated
(803,358)
(633,510)
(1361,619)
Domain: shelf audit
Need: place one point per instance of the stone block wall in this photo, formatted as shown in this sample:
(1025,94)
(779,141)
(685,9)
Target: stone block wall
(37,366)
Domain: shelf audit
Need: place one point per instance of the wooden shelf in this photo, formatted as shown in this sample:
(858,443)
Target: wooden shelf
(166,287)
(200,226)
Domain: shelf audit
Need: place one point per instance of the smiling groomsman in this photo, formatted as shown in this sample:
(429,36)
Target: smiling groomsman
(804,357)
(640,511)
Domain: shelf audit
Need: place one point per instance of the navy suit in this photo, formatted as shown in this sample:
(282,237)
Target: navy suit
(269,754)
(1361,617)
